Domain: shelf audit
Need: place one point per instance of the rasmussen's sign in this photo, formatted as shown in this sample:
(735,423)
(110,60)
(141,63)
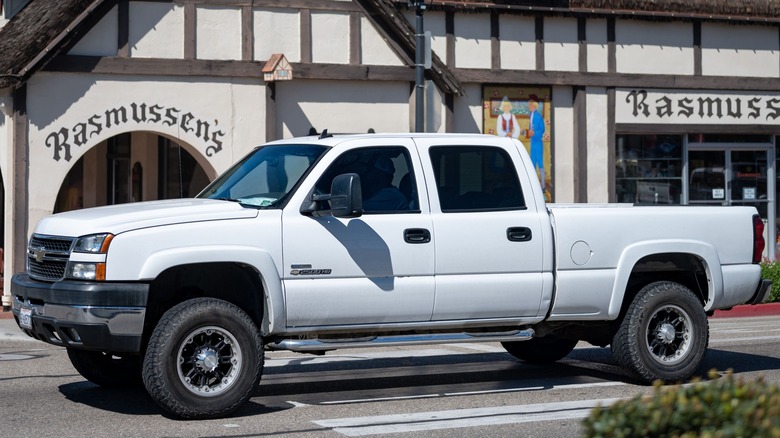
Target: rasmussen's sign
(695,107)
(79,134)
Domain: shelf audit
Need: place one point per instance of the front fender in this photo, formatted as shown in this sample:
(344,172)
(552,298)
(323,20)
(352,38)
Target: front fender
(260,260)
(635,252)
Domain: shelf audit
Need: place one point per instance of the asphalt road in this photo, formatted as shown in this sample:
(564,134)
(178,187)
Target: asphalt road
(472,390)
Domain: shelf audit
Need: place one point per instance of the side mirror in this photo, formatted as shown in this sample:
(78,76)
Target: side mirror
(345,198)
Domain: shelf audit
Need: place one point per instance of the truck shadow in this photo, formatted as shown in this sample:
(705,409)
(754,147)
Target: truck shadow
(135,401)
(357,379)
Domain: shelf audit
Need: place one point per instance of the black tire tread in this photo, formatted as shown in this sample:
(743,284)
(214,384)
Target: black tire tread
(156,358)
(625,348)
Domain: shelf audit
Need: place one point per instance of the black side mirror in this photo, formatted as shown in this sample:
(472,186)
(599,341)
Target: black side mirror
(345,198)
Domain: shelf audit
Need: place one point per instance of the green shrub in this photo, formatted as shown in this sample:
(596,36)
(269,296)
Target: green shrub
(726,407)
(771,270)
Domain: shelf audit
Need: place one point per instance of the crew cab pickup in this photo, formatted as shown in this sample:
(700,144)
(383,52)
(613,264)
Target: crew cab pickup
(319,243)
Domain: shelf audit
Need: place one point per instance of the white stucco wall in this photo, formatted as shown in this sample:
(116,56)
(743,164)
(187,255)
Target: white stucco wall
(373,47)
(330,37)
(517,38)
(468,110)
(729,50)
(218,33)
(156,30)
(653,47)
(563,144)
(597,144)
(101,40)
(6,134)
(472,41)
(561,51)
(73,109)
(341,107)
(596,35)
(435,23)
(277,31)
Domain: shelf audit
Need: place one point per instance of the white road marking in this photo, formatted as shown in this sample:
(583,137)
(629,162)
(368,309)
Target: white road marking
(742,340)
(461,418)
(462,393)
(369,400)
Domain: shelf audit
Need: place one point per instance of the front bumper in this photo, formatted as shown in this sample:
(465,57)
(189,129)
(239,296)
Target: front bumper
(80,314)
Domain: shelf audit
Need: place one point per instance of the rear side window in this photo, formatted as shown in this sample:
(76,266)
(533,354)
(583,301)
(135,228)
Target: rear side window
(475,178)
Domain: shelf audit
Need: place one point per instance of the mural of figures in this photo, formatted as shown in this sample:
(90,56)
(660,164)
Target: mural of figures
(522,113)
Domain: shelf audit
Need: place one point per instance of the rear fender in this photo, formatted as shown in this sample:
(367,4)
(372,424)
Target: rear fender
(634,253)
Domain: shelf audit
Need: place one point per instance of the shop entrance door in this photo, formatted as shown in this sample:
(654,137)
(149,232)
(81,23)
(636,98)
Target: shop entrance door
(734,176)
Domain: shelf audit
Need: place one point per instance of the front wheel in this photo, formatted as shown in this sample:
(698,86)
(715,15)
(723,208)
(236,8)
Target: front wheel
(204,359)
(663,335)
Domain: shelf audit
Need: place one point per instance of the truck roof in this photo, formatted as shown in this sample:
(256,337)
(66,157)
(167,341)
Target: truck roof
(336,139)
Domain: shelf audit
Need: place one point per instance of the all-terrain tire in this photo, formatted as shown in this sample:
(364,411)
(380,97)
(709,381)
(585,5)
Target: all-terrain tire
(204,359)
(663,335)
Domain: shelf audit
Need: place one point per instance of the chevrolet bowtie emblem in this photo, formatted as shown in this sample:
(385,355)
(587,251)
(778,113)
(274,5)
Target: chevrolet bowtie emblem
(38,254)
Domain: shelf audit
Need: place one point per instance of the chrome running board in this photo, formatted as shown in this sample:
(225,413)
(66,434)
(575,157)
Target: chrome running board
(306,345)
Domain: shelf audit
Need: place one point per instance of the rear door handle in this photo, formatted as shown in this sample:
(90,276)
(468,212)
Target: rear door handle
(518,234)
(417,235)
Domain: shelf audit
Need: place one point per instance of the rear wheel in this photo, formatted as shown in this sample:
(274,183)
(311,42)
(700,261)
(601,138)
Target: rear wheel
(541,350)
(107,370)
(204,359)
(664,334)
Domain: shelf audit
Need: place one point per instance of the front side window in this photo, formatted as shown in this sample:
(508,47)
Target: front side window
(475,178)
(265,178)
(386,178)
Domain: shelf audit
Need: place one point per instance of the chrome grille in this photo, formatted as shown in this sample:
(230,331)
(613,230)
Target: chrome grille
(47,256)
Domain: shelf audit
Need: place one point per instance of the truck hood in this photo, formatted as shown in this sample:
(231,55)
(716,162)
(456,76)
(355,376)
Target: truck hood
(117,219)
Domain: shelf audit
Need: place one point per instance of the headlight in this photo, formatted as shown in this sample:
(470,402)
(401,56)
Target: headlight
(93,244)
(87,271)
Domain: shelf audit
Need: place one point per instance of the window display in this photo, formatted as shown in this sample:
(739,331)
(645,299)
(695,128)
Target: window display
(649,169)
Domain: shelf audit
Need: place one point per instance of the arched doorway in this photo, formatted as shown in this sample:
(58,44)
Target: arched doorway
(132,167)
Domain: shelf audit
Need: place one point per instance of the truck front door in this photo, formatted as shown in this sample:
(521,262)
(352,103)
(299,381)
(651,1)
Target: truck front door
(373,269)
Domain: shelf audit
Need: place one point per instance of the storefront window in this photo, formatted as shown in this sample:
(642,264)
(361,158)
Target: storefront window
(649,169)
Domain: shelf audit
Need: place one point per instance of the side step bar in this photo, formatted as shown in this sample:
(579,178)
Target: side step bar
(306,345)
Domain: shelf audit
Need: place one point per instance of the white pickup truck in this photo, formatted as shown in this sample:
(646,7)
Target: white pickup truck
(319,243)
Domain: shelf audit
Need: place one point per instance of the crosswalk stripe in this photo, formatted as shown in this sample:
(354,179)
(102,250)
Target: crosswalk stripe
(460,418)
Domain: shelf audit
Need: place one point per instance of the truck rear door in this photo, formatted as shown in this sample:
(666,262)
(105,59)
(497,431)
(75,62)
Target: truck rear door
(491,241)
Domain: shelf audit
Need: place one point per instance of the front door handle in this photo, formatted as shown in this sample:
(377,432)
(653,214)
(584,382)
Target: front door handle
(518,234)
(417,235)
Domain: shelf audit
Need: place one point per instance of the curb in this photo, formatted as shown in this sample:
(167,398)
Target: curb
(766,309)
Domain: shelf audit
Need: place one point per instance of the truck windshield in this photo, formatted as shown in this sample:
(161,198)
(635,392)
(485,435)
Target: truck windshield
(266,177)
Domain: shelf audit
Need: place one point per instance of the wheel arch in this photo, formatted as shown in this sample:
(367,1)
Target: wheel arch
(244,276)
(691,263)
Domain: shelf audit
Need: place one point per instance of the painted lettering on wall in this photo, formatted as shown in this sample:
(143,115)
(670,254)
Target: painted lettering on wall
(726,108)
(78,135)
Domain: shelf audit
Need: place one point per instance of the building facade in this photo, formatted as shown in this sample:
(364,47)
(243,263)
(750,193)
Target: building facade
(113,101)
